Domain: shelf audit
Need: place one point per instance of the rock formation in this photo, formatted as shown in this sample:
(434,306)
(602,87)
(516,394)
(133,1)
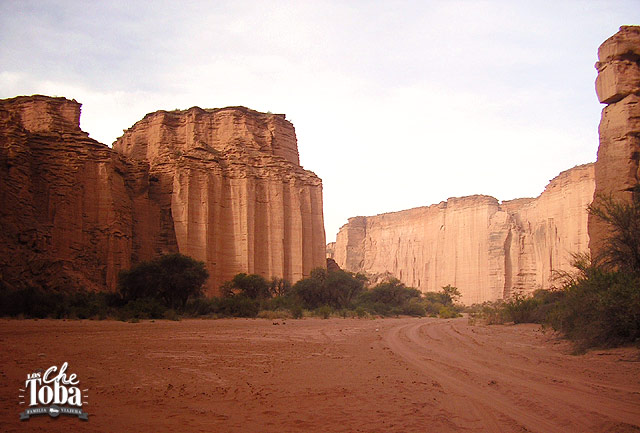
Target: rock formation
(487,249)
(65,209)
(617,168)
(223,186)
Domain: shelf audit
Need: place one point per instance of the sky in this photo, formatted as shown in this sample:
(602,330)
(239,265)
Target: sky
(396,104)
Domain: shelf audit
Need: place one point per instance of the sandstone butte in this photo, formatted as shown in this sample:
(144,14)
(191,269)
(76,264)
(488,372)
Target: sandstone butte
(489,250)
(617,168)
(224,186)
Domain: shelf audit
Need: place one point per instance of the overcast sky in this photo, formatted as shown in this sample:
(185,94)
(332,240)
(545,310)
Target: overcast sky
(396,104)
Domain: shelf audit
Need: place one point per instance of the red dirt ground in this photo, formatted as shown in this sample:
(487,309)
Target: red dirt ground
(314,375)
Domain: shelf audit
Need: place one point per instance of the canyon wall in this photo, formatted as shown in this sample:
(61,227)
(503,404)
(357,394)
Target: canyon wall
(488,249)
(617,169)
(230,192)
(65,207)
(224,186)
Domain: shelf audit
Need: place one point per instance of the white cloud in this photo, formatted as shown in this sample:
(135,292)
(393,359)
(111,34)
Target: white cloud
(396,104)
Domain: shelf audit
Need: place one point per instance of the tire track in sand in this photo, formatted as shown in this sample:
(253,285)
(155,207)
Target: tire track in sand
(517,403)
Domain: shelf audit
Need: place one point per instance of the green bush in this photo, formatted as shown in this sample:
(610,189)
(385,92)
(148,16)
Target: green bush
(200,307)
(337,289)
(447,312)
(172,279)
(251,286)
(414,308)
(237,306)
(391,293)
(600,310)
(296,311)
(324,311)
(143,308)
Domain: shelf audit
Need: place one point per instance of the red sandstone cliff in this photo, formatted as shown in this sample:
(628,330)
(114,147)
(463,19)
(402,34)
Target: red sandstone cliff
(618,85)
(65,207)
(223,186)
(230,192)
(486,249)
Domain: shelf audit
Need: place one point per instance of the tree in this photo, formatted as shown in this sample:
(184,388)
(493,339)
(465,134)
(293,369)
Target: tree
(622,247)
(171,278)
(279,287)
(337,289)
(452,293)
(250,285)
(392,293)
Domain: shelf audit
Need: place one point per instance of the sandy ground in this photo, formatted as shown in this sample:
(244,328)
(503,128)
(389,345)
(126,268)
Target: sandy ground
(314,375)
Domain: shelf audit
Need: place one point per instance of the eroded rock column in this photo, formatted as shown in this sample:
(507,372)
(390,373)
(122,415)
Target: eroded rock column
(617,169)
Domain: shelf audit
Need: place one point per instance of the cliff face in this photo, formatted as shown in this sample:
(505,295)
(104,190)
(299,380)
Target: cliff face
(65,208)
(486,249)
(617,168)
(227,189)
(223,186)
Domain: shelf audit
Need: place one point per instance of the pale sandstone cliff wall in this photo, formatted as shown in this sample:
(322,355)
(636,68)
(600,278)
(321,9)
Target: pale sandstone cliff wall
(617,168)
(223,186)
(486,249)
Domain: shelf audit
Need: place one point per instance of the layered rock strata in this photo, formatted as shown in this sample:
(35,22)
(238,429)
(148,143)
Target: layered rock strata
(224,186)
(230,191)
(488,249)
(617,169)
(65,202)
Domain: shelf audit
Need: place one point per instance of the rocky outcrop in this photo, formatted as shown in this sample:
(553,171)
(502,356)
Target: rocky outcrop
(229,191)
(617,168)
(223,186)
(487,249)
(65,206)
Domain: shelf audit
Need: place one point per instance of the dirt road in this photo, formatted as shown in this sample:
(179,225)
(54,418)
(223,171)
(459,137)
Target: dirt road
(313,375)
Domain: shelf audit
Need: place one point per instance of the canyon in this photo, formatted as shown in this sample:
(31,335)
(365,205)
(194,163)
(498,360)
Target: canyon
(223,186)
(487,249)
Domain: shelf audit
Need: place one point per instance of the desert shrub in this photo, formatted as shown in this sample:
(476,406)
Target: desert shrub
(621,250)
(200,307)
(38,303)
(392,293)
(448,312)
(237,306)
(337,289)
(492,313)
(296,311)
(248,285)
(602,309)
(522,309)
(142,308)
(414,308)
(443,302)
(173,279)
(361,312)
(171,315)
(278,303)
(279,287)
(600,305)
(271,315)
(324,311)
